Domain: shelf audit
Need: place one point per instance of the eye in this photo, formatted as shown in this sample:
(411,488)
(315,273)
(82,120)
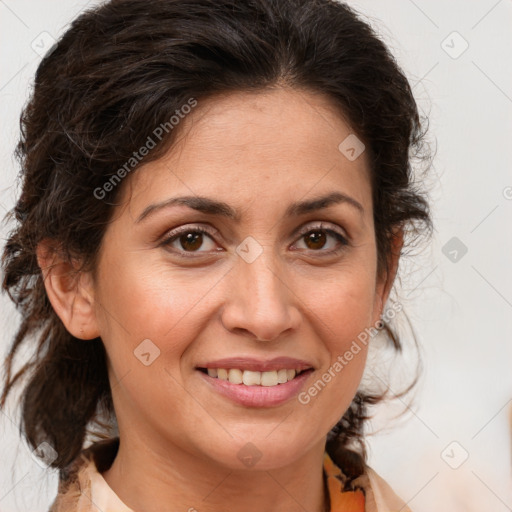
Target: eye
(188,239)
(317,237)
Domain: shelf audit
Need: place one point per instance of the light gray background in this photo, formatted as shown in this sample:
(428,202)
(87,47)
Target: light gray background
(460,310)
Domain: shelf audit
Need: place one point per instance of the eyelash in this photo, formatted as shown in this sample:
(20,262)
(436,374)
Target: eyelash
(174,235)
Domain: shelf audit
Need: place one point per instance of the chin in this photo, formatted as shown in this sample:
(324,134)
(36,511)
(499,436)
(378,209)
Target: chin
(263,452)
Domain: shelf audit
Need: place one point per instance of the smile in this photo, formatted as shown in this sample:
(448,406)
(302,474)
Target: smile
(253,388)
(253,378)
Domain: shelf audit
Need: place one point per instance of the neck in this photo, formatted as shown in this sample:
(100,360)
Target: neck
(147,477)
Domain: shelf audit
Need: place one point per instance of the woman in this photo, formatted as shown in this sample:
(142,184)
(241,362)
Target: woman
(215,198)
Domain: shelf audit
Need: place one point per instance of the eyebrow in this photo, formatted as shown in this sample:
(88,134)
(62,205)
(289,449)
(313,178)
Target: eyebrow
(213,207)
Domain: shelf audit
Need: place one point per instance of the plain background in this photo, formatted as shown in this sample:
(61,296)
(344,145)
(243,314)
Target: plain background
(451,451)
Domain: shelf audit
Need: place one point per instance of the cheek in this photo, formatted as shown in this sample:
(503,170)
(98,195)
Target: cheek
(151,318)
(138,301)
(344,302)
(344,314)
(344,321)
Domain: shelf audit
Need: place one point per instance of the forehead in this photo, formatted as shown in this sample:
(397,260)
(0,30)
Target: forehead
(275,145)
(269,121)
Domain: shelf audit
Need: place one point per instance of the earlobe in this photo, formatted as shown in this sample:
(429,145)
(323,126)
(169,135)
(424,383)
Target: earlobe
(69,290)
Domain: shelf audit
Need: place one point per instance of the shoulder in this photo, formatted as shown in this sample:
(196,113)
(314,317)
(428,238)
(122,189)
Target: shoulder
(355,474)
(74,492)
(380,497)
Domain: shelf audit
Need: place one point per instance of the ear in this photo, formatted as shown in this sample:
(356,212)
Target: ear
(69,290)
(385,282)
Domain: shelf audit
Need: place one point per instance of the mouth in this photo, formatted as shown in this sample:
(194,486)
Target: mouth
(253,382)
(253,388)
(255,378)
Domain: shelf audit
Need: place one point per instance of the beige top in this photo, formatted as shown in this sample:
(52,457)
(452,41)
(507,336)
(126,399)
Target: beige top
(83,489)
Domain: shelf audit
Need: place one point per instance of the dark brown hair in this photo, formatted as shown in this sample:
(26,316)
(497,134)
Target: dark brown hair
(117,73)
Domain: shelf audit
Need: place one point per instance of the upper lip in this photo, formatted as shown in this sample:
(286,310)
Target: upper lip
(258,365)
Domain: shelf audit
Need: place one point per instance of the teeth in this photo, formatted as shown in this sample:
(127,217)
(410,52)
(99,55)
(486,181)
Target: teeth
(235,376)
(269,378)
(251,378)
(282,376)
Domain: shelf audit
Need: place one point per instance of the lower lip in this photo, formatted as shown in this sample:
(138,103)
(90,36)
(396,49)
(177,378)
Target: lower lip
(258,396)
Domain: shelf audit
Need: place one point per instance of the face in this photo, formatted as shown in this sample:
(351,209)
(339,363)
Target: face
(263,282)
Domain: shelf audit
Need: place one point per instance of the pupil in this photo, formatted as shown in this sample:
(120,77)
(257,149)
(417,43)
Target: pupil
(189,240)
(315,238)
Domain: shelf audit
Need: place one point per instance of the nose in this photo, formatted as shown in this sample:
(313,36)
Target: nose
(261,301)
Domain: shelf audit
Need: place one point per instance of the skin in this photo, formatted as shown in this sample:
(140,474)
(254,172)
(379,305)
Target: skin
(258,152)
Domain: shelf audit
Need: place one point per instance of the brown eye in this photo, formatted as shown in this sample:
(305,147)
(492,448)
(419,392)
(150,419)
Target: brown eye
(315,239)
(318,238)
(189,240)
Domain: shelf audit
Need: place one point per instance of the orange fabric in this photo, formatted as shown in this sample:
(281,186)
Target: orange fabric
(341,501)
